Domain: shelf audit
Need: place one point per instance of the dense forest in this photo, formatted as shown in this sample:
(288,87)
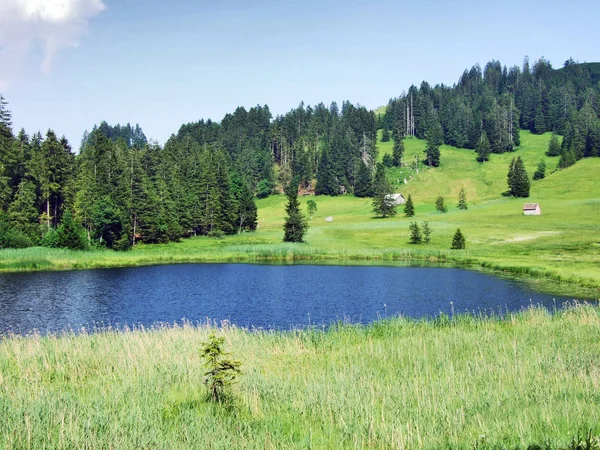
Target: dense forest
(121,189)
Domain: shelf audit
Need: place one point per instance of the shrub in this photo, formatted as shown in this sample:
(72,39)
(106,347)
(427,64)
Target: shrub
(221,370)
(11,238)
(264,189)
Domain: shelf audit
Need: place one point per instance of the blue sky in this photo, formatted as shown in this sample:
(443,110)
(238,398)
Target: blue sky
(164,63)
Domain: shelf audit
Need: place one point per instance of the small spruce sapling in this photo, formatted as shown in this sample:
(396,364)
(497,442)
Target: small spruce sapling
(540,173)
(426,232)
(462,199)
(458,241)
(311,205)
(221,370)
(415,233)
(409,207)
(440,205)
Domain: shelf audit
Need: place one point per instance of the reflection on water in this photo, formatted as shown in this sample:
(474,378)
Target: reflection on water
(250,295)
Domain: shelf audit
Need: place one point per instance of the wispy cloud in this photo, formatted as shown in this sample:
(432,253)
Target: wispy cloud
(51,24)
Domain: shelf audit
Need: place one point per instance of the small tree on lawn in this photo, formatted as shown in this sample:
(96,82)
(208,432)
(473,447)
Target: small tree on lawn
(458,241)
(426,232)
(311,205)
(440,205)
(518,180)
(540,173)
(462,199)
(409,208)
(295,224)
(221,371)
(415,233)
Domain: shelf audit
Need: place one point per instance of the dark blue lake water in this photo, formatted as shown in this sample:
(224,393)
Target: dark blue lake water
(251,296)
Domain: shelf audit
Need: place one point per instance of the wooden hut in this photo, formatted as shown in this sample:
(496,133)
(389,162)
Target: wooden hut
(532,209)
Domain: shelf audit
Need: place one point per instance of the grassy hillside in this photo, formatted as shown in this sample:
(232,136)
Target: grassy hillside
(459,383)
(561,244)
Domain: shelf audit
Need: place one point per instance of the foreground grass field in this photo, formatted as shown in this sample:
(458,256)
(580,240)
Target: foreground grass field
(525,379)
(561,245)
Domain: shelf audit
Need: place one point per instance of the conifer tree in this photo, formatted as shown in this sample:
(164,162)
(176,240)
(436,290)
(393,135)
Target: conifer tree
(540,172)
(518,181)
(23,213)
(483,148)
(384,204)
(409,208)
(398,150)
(462,199)
(432,152)
(295,226)
(553,146)
(458,241)
(426,232)
(440,205)
(385,135)
(364,182)
(415,233)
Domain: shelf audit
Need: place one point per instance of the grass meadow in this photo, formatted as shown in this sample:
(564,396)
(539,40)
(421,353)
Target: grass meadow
(454,382)
(559,250)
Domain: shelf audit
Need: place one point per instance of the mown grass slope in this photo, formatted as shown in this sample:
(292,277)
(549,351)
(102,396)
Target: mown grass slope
(528,379)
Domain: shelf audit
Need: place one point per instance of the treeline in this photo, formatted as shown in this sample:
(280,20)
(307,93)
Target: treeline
(308,142)
(494,104)
(121,189)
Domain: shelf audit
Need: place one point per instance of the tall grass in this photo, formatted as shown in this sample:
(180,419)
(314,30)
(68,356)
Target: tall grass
(454,382)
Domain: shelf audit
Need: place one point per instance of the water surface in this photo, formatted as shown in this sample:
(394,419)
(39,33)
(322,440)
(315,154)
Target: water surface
(253,296)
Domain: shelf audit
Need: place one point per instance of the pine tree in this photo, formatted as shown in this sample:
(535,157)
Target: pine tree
(539,124)
(415,233)
(327,182)
(440,204)
(483,148)
(364,183)
(295,226)
(553,146)
(462,199)
(385,135)
(518,181)
(432,152)
(23,213)
(246,211)
(458,241)
(398,150)
(540,172)
(426,232)
(409,208)
(70,234)
(384,204)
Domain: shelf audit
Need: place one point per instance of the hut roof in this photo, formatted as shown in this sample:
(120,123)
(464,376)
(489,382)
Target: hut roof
(530,206)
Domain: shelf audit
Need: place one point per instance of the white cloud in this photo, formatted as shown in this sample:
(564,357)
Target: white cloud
(51,24)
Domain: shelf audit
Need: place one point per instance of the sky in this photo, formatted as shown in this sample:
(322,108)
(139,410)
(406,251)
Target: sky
(70,64)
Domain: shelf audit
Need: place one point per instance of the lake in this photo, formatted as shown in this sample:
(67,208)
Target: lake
(253,296)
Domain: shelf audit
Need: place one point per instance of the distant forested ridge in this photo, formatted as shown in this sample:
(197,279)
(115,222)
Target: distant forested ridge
(121,188)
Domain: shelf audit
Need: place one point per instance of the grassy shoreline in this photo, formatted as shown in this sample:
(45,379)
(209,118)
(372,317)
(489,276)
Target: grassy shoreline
(528,378)
(541,278)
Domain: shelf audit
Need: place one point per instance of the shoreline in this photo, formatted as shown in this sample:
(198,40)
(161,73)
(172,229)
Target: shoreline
(541,279)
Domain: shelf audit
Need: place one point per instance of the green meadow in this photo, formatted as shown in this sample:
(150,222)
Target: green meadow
(455,382)
(559,250)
